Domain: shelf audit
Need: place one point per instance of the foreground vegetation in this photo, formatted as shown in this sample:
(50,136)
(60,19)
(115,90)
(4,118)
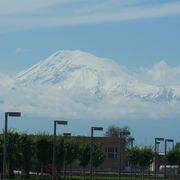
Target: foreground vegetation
(95,178)
(33,153)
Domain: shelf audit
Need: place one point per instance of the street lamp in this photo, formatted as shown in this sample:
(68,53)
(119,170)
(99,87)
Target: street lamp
(54,146)
(92,148)
(157,146)
(165,152)
(131,140)
(66,134)
(7,114)
(157,142)
(121,134)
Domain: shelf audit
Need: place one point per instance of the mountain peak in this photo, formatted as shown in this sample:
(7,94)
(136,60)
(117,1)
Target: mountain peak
(66,64)
(77,57)
(70,53)
(76,84)
(77,70)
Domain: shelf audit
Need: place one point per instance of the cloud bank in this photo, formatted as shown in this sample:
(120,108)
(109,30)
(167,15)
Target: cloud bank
(78,103)
(16,15)
(161,74)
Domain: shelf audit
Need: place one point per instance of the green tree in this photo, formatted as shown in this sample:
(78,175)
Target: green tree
(112,131)
(145,158)
(60,153)
(72,152)
(177,146)
(13,151)
(43,152)
(27,153)
(84,156)
(98,155)
(115,131)
(140,156)
(173,156)
(133,157)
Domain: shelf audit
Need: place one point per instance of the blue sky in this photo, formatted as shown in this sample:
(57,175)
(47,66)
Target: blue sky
(135,33)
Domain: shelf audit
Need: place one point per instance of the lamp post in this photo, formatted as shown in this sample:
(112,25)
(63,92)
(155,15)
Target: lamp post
(157,142)
(92,148)
(165,152)
(54,147)
(65,135)
(131,140)
(121,134)
(157,146)
(7,114)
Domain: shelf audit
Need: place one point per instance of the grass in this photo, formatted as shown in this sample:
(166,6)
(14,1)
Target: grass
(87,178)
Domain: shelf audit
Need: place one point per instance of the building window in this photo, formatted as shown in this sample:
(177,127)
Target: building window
(111,152)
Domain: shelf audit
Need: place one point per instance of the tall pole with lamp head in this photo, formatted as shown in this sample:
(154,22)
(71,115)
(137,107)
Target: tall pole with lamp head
(7,114)
(121,134)
(165,154)
(54,147)
(92,148)
(157,142)
(131,140)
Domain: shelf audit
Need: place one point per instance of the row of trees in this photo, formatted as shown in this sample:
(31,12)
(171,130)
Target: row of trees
(173,156)
(34,153)
(143,156)
(140,157)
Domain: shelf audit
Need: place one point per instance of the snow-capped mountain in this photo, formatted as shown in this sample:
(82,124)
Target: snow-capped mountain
(66,69)
(71,70)
(79,85)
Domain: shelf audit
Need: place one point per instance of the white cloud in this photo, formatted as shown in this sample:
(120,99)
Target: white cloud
(5,80)
(15,15)
(21,50)
(9,7)
(161,74)
(78,103)
(43,102)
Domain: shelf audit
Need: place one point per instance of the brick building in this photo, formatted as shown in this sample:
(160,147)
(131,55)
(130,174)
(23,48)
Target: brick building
(114,149)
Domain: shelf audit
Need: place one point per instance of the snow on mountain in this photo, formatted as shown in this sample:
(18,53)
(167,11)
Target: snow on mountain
(70,70)
(5,80)
(79,85)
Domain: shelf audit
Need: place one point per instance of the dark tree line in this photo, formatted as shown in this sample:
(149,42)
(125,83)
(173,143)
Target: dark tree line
(173,156)
(34,153)
(140,157)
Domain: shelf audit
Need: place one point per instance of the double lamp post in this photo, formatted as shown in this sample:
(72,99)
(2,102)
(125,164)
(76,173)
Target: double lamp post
(156,164)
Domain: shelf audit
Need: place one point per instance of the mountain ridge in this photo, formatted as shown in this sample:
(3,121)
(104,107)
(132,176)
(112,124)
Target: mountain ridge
(70,70)
(78,85)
